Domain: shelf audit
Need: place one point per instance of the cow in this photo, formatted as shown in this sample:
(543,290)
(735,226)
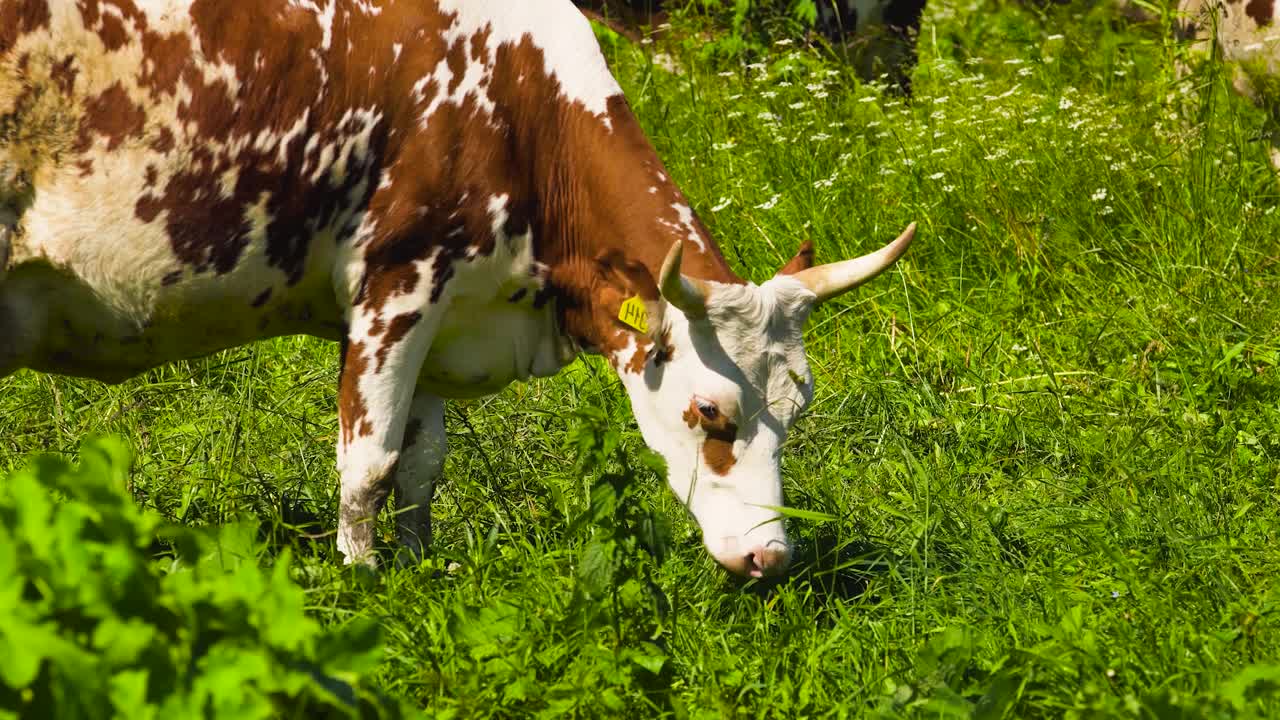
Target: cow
(454,191)
(1246,35)
(877,37)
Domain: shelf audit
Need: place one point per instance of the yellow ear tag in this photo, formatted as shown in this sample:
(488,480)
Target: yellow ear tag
(634,314)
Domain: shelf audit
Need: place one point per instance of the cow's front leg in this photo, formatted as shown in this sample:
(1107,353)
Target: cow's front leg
(381,359)
(421,461)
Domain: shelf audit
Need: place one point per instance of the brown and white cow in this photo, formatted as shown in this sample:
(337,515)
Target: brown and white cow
(455,191)
(1246,34)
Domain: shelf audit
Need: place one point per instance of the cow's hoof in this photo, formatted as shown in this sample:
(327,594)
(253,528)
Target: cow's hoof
(408,557)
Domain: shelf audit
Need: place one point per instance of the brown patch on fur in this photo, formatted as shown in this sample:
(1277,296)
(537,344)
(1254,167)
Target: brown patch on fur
(717,447)
(803,260)
(163,142)
(353,413)
(399,326)
(386,278)
(19,17)
(111,115)
(112,32)
(64,74)
(1261,11)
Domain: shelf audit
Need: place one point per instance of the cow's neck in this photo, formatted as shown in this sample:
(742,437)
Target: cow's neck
(613,225)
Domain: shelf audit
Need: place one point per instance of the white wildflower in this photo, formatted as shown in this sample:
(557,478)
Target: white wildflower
(1099,195)
(937,176)
(770,203)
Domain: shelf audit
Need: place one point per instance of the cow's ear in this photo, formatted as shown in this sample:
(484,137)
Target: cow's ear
(803,260)
(630,296)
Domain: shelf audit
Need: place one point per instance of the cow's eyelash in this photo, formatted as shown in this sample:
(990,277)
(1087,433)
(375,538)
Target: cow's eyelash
(708,409)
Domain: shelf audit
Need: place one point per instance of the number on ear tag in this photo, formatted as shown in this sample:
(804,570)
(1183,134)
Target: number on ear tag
(633,314)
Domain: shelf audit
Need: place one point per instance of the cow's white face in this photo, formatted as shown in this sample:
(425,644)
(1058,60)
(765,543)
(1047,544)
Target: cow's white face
(717,401)
(726,380)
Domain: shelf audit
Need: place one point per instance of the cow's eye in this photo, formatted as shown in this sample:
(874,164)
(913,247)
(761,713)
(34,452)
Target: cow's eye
(707,409)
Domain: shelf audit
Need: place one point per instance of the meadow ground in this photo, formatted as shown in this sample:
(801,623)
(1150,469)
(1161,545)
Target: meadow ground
(1040,472)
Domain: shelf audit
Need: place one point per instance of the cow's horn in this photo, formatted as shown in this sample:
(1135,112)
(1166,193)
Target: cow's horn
(828,281)
(687,294)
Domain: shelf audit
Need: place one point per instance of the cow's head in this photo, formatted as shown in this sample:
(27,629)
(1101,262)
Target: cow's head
(724,383)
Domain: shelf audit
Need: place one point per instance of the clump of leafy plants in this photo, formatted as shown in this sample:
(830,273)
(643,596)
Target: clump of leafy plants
(602,644)
(106,611)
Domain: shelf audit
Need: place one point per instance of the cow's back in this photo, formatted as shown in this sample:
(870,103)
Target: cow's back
(182,173)
(189,175)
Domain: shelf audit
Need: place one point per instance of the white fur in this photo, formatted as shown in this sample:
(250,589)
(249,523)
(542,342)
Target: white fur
(568,44)
(744,357)
(421,461)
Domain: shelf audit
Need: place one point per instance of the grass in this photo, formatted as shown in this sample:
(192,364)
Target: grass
(1050,439)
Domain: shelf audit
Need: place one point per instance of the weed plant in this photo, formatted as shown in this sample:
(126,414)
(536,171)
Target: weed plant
(1039,477)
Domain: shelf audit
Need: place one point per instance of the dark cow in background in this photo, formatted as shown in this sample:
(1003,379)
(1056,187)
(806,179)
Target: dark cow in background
(454,191)
(878,37)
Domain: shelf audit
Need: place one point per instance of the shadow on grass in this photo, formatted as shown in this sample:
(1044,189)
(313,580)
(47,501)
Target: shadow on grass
(831,568)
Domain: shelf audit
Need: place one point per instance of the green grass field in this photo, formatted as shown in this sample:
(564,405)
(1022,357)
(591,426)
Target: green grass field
(1042,464)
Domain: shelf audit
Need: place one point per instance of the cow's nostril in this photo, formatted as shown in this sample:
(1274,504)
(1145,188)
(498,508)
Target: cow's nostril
(752,567)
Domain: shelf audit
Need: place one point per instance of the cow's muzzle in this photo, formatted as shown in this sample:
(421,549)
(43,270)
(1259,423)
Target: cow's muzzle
(757,561)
